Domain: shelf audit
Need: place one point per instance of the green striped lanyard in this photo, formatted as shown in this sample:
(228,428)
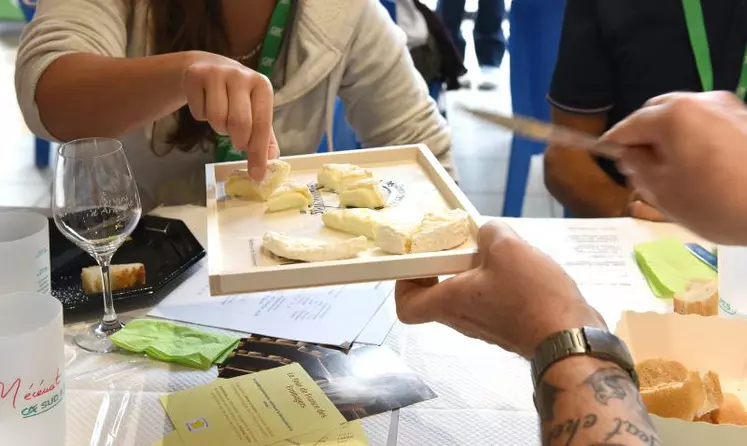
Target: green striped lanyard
(224,150)
(699,42)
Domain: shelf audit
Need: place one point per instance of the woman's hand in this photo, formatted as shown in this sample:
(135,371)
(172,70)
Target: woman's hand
(235,101)
(514,297)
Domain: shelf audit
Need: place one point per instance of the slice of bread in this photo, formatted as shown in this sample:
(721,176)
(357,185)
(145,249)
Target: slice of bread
(700,296)
(669,389)
(731,412)
(121,276)
(657,371)
(714,397)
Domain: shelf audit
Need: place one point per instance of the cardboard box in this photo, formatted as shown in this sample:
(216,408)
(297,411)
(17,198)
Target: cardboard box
(702,344)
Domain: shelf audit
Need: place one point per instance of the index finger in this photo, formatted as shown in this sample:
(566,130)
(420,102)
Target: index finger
(664,98)
(642,128)
(259,142)
(644,211)
(716,97)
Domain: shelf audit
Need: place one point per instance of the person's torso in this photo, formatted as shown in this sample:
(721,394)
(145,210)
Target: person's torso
(306,77)
(650,48)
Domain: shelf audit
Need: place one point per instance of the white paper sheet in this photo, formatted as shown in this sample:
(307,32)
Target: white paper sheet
(381,324)
(598,255)
(327,315)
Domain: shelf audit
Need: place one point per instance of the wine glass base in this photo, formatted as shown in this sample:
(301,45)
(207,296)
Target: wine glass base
(96,340)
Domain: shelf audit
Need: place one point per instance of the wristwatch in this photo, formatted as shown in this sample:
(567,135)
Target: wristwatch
(589,341)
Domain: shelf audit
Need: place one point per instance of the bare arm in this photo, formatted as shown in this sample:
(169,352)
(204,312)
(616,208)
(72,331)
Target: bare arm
(76,89)
(574,178)
(588,402)
(386,99)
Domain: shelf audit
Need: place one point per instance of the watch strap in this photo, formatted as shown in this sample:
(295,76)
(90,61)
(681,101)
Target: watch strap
(589,341)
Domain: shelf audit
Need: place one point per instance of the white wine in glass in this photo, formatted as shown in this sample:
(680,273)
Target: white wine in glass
(96,206)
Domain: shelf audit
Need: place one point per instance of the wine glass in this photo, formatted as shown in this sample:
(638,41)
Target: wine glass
(96,206)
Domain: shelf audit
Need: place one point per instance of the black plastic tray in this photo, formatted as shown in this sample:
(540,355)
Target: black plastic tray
(165,246)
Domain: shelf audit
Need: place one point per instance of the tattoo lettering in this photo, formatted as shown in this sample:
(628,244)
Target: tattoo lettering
(626,428)
(608,383)
(546,396)
(570,428)
(643,412)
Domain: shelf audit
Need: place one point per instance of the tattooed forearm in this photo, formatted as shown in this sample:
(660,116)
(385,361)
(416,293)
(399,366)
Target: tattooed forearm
(625,428)
(608,383)
(586,401)
(546,396)
(568,429)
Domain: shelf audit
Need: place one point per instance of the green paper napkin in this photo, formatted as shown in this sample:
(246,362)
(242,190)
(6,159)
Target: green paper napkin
(668,266)
(170,342)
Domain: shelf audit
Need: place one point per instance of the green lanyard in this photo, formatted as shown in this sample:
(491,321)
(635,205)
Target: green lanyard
(224,150)
(699,42)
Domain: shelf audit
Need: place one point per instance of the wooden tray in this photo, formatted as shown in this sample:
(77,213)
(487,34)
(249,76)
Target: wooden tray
(417,183)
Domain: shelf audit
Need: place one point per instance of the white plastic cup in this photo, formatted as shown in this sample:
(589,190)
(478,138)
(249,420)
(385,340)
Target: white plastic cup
(24,252)
(32,360)
(732,280)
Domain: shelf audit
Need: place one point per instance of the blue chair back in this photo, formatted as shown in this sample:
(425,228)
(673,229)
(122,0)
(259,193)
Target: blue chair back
(343,136)
(391,7)
(535,35)
(42,147)
(28,7)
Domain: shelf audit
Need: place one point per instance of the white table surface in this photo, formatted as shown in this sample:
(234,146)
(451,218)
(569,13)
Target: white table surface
(484,393)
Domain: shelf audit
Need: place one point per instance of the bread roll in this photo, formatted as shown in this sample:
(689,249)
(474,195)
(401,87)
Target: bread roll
(121,276)
(731,412)
(700,296)
(669,389)
(714,398)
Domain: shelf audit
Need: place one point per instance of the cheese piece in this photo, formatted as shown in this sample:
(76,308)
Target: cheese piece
(437,231)
(366,193)
(394,238)
(336,176)
(700,296)
(289,196)
(308,250)
(353,221)
(441,231)
(241,185)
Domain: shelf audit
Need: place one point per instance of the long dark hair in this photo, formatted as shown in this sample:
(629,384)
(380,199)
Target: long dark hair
(185,25)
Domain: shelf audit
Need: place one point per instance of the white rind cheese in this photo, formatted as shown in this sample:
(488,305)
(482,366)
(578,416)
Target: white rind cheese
(353,221)
(437,231)
(441,231)
(336,176)
(289,196)
(241,185)
(394,238)
(366,193)
(308,250)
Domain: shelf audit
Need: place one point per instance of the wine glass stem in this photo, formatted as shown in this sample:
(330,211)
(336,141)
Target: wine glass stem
(110,316)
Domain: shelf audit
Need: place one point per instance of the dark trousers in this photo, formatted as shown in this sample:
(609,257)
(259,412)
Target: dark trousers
(490,43)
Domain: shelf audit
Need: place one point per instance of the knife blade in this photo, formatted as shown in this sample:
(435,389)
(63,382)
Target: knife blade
(702,254)
(550,133)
